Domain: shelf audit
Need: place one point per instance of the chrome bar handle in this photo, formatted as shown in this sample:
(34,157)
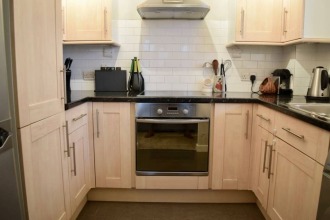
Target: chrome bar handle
(291,132)
(270,161)
(64,96)
(105,22)
(80,117)
(171,121)
(74,159)
(247,124)
(97,124)
(265,153)
(285,21)
(67,151)
(242,21)
(263,118)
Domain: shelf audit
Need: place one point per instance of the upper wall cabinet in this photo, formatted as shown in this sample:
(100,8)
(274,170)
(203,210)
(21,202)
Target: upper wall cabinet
(278,22)
(292,18)
(86,21)
(258,20)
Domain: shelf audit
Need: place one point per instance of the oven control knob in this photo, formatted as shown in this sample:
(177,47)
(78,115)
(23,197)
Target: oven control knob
(159,111)
(185,111)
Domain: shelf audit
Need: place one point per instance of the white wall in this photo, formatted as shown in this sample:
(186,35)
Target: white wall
(172,52)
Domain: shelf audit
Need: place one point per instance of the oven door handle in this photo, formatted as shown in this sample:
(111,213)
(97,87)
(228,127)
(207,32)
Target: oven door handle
(171,121)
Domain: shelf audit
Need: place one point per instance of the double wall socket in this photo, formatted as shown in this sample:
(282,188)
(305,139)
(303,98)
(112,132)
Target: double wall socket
(246,76)
(88,75)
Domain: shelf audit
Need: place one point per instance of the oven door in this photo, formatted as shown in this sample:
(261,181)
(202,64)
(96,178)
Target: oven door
(172,147)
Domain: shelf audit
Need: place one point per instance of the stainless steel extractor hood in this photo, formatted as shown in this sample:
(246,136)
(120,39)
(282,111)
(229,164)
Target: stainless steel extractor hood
(173,9)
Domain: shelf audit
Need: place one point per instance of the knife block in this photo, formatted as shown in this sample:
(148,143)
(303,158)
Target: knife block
(68,78)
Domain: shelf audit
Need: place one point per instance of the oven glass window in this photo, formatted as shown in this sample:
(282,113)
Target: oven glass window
(172,148)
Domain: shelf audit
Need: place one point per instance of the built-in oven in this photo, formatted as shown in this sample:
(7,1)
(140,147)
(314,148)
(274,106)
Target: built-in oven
(172,139)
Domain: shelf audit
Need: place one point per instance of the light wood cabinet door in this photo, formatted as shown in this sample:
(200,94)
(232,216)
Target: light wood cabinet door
(231,146)
(112,143)
(46,169)
(295,184)
(260,160)
(293,19)
(79,166)
(258,20)
(86,20)
(38,59)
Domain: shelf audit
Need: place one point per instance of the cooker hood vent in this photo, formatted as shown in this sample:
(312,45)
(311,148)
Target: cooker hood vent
(173,9)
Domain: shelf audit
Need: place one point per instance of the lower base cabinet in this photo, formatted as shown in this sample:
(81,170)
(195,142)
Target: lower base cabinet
(294,185)
(79,175)
(46,168)
(112,143)
(231,146)
(285,181)
(262,142)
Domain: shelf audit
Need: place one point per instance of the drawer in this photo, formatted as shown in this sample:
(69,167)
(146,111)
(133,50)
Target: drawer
(265,118)
(311,140)
(76,117)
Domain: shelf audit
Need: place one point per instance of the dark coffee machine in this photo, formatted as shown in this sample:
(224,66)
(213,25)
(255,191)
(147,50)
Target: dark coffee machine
(285,81)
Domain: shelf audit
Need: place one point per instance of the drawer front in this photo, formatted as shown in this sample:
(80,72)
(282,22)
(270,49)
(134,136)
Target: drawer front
(265,118)
(310,140)
(76,117)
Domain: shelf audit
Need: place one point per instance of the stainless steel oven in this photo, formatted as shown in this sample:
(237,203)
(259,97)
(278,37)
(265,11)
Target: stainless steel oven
(172,139)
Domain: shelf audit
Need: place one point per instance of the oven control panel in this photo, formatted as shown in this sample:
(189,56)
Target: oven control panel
(173,110)
(180,110)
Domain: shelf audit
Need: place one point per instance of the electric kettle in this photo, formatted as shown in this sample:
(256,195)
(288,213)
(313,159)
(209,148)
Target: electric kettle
(319,83)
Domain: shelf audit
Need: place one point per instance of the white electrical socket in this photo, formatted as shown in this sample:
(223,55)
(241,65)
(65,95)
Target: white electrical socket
(89,75)
(245,77)
(107,52)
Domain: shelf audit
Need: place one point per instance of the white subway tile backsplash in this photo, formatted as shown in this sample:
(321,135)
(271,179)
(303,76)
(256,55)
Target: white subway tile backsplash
(157,79)
(172,54)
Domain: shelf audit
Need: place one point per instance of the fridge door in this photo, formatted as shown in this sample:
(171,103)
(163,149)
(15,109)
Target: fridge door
(9,188)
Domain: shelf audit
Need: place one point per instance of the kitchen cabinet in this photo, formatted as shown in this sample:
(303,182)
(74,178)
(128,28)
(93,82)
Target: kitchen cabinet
(310,140)
(286,164)
(38,59)
(80,171)
(113,144)
(279,23)
(231,146)
(86,21)
(295,184)
(45,166)
(293,17)
(258,20)
(261,143)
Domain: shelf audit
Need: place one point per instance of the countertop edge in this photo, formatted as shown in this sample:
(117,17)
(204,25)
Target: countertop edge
(257,100)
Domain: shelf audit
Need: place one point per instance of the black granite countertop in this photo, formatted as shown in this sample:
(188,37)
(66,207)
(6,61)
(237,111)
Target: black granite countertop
(277,103)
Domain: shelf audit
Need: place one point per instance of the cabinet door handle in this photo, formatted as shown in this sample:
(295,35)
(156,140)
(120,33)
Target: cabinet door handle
(67,151)
(105,22)
(247,124)
(285,21)
(80,117)
(64,96)
(74,159)
(270,161)
(265,153)
(291,132)
(242,21)
(97,123)
(263,118)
